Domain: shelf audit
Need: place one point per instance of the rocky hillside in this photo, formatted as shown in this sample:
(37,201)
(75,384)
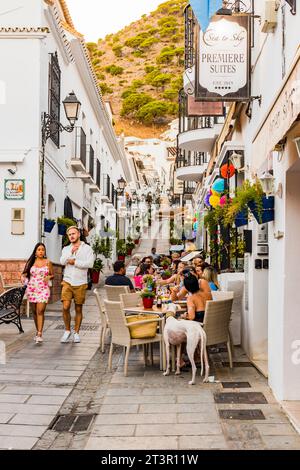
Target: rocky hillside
(140,70)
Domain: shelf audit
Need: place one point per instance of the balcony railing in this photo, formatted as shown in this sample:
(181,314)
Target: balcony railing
(106,186)
(112,194)
(91,154)
(187,158)
(98,174)
(80,145)
(189,188)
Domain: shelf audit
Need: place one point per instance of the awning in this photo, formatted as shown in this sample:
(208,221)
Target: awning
(191,256)
(176,247)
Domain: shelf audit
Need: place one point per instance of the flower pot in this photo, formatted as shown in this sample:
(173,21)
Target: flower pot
(48,225)
(148,302)
(62,229)
(121,257)
(241,219)
(267,214)
(95,277)
(136,241)
(129,252)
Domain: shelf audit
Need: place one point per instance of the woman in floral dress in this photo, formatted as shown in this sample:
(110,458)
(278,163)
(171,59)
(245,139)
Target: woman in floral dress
(37,273)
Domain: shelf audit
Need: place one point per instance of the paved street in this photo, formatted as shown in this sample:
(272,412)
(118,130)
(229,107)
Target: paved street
(61,396)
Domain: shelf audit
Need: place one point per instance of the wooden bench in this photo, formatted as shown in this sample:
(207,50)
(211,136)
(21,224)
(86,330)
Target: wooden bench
(10,305)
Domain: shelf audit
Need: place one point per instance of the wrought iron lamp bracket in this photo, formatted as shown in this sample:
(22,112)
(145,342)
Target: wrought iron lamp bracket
(250,104)
(50,127)
(292,4)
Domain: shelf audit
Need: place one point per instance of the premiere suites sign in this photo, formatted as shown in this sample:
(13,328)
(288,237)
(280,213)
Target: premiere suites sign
(223,68)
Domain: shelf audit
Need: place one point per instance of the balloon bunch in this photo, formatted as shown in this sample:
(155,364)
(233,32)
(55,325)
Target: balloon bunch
(214,196)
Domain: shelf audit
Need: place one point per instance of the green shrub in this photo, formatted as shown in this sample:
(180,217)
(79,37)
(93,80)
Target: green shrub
(168,31)
(92,46)
(147,43)
(167,21)
(166,56)
(170,94)
(100,76)
(114,69)
(133,102)
(117,50)
(149,68)
(105,89)
(138,53)
(150,111)
(161,80)
(96,61)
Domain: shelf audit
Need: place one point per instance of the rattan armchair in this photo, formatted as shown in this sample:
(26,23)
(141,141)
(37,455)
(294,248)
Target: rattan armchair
(113,292)
(131,300)
(216,324)
(103,318)
(120,332)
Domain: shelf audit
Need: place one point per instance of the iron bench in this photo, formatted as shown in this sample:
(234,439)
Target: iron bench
(10,304)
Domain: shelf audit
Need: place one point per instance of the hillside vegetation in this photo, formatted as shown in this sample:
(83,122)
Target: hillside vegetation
(139,70)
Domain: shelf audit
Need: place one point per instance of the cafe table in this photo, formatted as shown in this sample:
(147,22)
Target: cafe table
(159,311)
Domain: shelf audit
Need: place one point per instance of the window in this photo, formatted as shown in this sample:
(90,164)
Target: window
(54,94)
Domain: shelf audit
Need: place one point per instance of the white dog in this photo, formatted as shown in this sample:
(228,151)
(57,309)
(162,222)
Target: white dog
(177,332)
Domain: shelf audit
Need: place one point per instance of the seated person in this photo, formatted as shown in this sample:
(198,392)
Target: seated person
(144,270)
(179,293)
(197,299)
(176,279)
(119,278)
(211,276)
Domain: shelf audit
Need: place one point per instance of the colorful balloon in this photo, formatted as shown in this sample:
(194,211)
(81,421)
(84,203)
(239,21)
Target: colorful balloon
(206,200)
(214,201)
(223,200)
(219,185)
(227,171)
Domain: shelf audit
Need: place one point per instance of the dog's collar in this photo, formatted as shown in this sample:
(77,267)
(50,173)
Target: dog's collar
(170,314)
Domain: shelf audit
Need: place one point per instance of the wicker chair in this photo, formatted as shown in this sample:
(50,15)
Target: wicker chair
(216,324)
(131,300)
(104,321)
(120,332)
(222,295)
(113,292)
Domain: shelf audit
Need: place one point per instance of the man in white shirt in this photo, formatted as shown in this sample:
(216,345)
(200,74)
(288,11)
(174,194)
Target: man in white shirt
(77,258)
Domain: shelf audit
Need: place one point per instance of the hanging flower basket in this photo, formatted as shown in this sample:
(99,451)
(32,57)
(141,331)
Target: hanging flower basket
(241,219)
(48,225)
(267,214)
(62,229)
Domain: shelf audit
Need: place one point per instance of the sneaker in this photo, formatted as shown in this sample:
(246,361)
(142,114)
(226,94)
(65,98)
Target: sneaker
(38,339)
(65,337)
(76,338)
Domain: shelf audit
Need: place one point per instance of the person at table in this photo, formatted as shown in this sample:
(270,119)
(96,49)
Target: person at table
(180,293)
(211,276)
(199,295)
(144,270)
(176,278)
(119,278)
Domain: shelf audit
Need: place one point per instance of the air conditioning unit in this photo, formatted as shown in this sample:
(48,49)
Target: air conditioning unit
(297,143)
(269,16)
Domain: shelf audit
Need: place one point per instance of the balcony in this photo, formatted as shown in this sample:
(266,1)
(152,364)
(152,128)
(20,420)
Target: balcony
(78,162)
(91,158)
(189,189)
(190,166)
(199,133)
(95,188)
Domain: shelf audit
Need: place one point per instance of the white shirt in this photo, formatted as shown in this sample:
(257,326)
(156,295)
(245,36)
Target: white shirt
(76,274)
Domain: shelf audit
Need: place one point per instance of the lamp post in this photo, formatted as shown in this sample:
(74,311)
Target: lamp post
(120,191)
(50,126)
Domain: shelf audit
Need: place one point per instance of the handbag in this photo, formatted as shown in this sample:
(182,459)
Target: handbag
(148,330)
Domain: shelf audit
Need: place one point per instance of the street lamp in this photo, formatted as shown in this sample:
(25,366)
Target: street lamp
(121,186)
(50,126)
(236,160)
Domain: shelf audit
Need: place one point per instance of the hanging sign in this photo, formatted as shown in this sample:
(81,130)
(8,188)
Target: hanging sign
(223,60)
(14,189)
(200,108)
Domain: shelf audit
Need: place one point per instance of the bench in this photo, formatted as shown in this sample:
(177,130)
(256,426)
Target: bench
(10,305)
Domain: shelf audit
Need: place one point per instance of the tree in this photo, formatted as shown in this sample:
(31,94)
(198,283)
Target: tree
(147,43)
(166,56)
(105,89)
(161,79)
(150,111)
(134,102)
(114,69)
(117,50)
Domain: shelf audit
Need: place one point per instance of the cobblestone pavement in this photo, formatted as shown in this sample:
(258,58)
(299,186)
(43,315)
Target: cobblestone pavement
(61,396)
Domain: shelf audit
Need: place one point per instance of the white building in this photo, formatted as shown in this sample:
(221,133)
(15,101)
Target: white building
(267,136)
(43,59)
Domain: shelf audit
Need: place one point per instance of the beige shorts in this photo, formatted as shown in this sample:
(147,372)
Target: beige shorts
(73,292)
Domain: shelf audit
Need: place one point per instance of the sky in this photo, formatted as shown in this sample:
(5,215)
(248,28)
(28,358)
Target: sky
(97,18)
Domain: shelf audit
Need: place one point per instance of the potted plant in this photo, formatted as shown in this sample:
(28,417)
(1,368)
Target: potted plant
(166,274)
(148,297)
(63,224)
(48,225)
(129,246)
(121,250)
(264,210)
(96,270)
(165,263)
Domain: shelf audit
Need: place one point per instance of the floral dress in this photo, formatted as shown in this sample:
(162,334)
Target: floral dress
(38,291)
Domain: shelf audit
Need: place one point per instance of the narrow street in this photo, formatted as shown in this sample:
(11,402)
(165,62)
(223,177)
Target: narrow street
(61,396)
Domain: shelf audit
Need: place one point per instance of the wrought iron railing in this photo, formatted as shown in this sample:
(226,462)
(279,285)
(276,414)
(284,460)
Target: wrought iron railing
(80,145)
(91,161)
(189,188)
(98,174)
(187,158)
